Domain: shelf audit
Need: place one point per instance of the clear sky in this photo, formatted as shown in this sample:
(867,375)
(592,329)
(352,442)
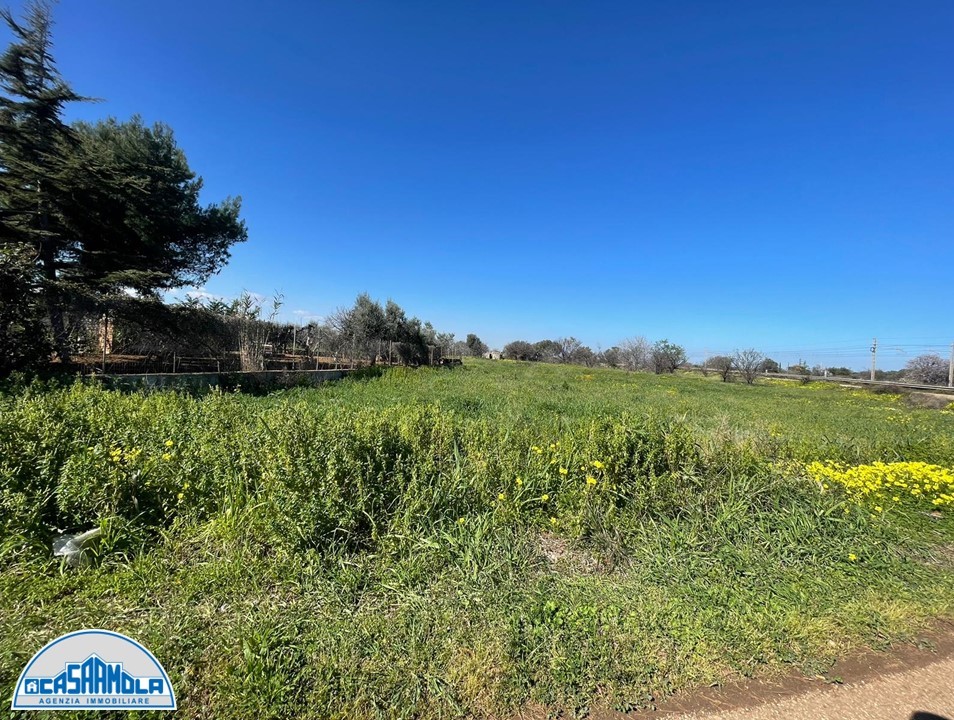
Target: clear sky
(723,174)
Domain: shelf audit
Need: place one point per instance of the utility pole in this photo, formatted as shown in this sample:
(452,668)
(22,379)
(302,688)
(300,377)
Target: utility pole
(950,369)
(874,357)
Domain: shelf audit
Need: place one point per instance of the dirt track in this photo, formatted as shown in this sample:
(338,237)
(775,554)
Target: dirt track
(910,681)
(919,694)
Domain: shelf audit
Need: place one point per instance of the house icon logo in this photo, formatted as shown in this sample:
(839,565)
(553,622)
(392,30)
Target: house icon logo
(93,670)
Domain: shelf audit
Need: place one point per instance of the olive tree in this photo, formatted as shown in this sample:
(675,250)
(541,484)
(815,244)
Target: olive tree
(610,357)
(476,346)
(667,356)
(546,351)
(722,364)
(519,350)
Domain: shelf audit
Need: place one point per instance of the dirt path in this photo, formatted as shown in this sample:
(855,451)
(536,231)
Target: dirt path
(909,682)
(920,694)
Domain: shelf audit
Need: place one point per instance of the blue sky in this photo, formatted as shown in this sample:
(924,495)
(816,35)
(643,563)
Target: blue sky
(776,175)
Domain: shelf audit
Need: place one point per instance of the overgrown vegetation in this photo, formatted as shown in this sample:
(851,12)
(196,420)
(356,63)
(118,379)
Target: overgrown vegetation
(452,544)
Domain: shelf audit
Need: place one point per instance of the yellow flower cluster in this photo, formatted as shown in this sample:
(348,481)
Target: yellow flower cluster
(592,472)
(119,455)
(881,483)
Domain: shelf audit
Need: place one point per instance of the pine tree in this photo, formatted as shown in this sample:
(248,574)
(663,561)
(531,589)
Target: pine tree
(135,212)
(34,144)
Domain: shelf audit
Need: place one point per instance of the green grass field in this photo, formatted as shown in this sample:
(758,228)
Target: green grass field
(473,542)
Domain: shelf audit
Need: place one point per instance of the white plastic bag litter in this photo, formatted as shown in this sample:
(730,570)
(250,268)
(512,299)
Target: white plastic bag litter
(75,547)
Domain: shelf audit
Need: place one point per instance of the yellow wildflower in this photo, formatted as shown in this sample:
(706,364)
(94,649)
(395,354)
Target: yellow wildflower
(868,483)
(590,480)
(563,471)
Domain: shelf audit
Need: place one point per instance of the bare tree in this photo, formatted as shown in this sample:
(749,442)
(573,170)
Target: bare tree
(568,347)
(459,348)
(748,362)
(723,365)
(634,353)
(927,369)
(254,330)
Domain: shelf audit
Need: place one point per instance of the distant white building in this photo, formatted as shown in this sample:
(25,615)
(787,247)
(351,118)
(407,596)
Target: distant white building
(493,355)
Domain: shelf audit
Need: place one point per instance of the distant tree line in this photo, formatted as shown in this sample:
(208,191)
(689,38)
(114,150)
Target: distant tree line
(927,369)
(638,354)
(635,353)
(663,356)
